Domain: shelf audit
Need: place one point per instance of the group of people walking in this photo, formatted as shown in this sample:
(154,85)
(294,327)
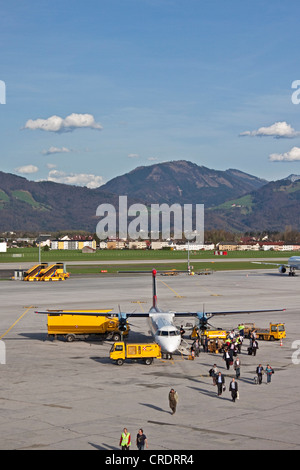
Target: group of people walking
(231,358)
(219,381)
(141,439)
(125,440)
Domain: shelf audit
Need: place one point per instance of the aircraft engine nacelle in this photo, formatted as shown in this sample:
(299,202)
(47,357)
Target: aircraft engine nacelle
(202,318)
(282,269)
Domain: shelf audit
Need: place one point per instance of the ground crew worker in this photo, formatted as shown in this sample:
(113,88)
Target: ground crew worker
(125,440)
(239,343)
(241,329)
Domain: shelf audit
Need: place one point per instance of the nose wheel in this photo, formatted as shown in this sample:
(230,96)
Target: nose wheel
(167,356)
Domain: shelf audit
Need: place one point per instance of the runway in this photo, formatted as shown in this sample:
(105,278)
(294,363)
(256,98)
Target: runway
(57,395)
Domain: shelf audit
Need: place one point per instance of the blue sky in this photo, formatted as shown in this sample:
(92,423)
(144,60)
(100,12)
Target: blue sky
(96,88)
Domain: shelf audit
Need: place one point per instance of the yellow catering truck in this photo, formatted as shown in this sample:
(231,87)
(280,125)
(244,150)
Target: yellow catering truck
(75,325)
(145,351)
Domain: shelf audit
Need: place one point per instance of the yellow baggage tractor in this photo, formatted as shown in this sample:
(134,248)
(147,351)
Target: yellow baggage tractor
(121,351)
(275,331)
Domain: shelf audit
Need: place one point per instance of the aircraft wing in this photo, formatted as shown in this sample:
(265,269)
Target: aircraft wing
(95,313)
(235,312)
(273,264)
(106,313)
(98,313)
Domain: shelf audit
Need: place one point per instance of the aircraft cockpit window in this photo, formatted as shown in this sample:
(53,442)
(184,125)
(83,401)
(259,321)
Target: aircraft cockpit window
(174,333)
(169,333)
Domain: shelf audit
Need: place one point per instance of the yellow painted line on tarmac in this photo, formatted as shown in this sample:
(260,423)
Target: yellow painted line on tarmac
(177,295)
(14,324)
(210,292)
(139,303)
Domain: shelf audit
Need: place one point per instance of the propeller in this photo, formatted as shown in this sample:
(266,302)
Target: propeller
(123,319)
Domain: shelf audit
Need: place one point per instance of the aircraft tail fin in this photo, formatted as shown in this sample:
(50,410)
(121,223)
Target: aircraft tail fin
(154,303)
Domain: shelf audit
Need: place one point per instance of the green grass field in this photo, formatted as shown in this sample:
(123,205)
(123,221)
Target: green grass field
(203,268)
(32,254)
(178,258)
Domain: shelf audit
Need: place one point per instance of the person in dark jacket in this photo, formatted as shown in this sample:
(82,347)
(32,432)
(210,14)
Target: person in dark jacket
(234,388)
(220,381)
(259,372)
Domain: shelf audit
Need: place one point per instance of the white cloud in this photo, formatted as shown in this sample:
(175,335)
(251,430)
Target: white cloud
(278,130)
(133,155)
(58,124)
(51,165)
(53,150)
(292,156)
(27,169)
(79,179)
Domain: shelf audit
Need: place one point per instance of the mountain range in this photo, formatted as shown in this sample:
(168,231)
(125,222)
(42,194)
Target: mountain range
(233,200)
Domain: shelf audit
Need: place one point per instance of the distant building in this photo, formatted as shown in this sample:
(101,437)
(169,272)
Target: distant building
(88,249)
(72,244)
(3,247)
(276,246)
(227,246)
(194,247)
(137,245)
(43,240)
(159,245)
(116,244)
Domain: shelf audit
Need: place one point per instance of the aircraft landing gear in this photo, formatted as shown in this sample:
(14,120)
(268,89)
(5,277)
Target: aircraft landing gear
(167,356)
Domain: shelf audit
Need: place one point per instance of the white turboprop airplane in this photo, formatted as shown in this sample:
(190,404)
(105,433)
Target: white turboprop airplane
(162,327)
(293,264)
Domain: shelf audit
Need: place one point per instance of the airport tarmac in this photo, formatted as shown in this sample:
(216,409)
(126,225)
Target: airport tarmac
(57,395)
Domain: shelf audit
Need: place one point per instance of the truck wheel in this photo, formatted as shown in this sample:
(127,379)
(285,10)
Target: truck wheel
(116,337)
(70,338)
(120,362)
(148,361)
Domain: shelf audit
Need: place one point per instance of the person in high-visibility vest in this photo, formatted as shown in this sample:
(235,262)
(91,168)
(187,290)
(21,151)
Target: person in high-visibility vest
(125,440)
(241,329)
